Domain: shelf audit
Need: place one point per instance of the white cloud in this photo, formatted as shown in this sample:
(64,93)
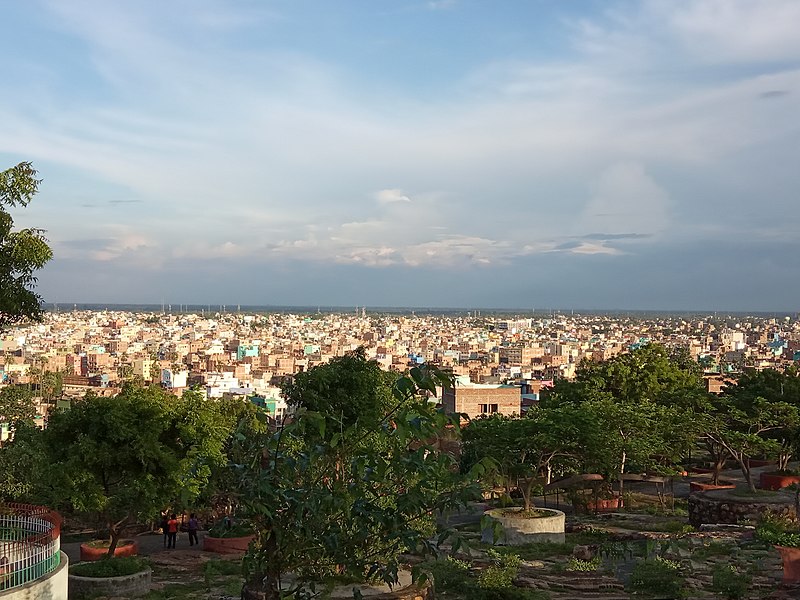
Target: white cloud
(390,196)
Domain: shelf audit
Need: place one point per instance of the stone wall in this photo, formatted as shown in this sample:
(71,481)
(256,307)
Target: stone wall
(720,506)
(127,586)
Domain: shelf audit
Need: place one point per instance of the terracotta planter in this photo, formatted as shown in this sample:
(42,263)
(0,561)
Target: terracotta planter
(791,563)
(230,545)
(776,481)
(697,486)
(605,504)
(124,548)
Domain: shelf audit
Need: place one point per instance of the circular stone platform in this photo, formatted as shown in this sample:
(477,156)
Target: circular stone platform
(525,530)
(730,507)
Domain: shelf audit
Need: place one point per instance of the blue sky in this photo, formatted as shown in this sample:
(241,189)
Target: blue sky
(466,153)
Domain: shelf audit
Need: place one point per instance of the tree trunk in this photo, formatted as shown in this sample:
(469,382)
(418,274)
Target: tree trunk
(621,473)
(744,465)
(526,493)
(783,461)
(113,534)
(719,464)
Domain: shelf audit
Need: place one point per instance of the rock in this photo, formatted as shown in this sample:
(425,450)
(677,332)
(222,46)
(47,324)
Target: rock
(587,552)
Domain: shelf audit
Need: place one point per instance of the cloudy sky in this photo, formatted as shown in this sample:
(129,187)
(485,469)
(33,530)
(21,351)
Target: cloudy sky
(462,153)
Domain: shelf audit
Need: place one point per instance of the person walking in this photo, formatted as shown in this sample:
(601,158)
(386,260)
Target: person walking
(165,526)
(193,530)
(172,527)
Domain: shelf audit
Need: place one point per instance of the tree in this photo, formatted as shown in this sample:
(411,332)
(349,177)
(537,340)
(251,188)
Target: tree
(773,386)
(349,389)
(127,457)
(745,425)
(22,252)
(325,502)
(642,435)
(16,404)
(644,403)
(526,449)
(650,373)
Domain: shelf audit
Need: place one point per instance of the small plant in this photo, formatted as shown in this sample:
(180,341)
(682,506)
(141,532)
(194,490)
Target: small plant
(713,548)
(584,566)
(658,577)
(729,583)
(778,530)
(501,573)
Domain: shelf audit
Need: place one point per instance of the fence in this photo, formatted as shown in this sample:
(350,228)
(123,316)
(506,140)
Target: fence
(29,543)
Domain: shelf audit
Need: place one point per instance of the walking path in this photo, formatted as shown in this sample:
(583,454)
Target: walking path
(149,544)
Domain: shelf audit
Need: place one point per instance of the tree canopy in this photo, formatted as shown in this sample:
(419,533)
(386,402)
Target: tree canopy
(129,456)
(348,500)
(23,251)
(349,389)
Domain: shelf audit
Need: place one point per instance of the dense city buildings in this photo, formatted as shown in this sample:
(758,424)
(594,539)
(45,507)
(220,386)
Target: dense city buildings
(501,363)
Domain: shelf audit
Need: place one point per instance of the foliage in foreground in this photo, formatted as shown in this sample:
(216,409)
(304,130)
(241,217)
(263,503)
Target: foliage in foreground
(22,251)
(659,578)
(333,498)
(454,577)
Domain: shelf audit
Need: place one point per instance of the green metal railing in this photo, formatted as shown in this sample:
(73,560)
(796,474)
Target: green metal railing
(29,543)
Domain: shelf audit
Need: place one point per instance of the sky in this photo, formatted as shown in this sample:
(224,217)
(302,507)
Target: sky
(444,153)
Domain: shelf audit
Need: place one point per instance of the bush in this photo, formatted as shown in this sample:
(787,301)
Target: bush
(586,566)
(501,573)
(658,577)
(729,582)
(452,575)
(110,567)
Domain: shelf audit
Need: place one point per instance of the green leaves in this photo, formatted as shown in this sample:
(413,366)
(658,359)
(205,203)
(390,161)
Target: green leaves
(348,502)
(21,252)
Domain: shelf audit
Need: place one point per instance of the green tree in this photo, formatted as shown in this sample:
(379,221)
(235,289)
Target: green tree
(16,404)
(126,457)
(746,425)
(773,386)
(22,252)
(326,503)
(528,450)
(349,389)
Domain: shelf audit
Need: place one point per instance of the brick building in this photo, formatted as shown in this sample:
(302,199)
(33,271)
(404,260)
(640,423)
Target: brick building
(476,399)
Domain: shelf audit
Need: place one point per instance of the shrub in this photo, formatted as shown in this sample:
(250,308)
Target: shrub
(729,583)
(501,573)
(576,564)
(658,577)
(110,567)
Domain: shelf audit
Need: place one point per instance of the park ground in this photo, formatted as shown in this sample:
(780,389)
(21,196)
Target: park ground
(745,568)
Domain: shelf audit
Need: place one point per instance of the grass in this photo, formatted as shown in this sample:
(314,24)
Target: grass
(214,578)
(713,548)
(538,551)
(744,492)
(110,567)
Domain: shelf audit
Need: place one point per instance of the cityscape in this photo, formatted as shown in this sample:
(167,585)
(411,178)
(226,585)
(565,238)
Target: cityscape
(400,300)
(250,354)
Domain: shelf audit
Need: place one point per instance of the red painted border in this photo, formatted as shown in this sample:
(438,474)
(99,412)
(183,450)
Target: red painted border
(89,553)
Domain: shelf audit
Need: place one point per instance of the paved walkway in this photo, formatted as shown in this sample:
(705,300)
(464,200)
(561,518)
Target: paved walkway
(149,544)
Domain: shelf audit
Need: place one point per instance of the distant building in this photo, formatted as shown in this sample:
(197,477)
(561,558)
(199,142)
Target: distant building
(482,399)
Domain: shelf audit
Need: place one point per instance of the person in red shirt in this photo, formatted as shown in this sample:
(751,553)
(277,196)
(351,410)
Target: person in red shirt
(172,530)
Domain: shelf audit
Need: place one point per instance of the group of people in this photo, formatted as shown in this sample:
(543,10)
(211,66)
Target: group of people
(170,526)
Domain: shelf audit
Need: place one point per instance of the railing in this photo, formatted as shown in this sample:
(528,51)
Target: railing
(29,543)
